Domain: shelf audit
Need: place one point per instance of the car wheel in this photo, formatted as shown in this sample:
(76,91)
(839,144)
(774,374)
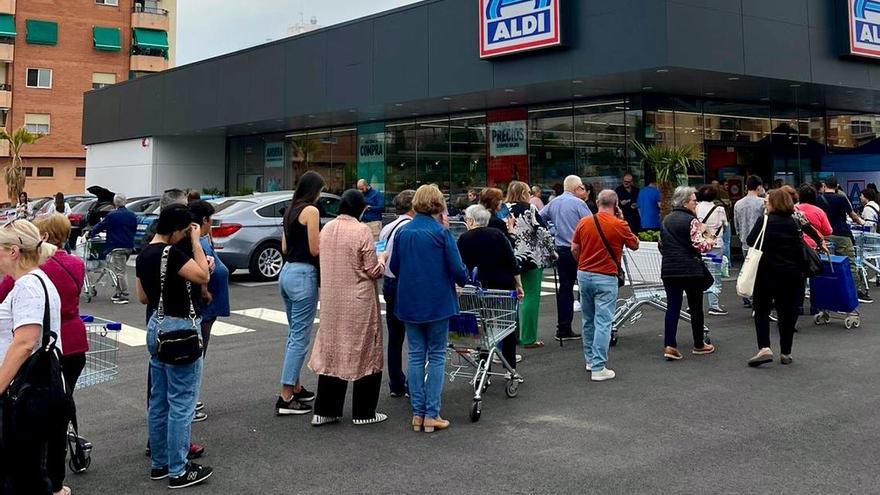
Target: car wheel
(266,262)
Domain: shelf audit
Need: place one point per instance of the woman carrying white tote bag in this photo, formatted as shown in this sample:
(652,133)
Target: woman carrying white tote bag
(745,283)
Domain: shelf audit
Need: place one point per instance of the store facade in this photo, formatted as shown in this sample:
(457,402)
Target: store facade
(758,89)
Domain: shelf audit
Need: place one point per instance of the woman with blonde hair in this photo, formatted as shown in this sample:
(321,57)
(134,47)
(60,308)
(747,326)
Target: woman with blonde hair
(428,267)
(66,273)
(535,250)
(29,425)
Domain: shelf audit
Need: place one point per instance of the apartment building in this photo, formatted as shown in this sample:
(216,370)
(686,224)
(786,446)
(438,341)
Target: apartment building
(51,53)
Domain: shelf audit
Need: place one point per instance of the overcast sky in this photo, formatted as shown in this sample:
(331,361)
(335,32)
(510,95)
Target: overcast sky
(207,28)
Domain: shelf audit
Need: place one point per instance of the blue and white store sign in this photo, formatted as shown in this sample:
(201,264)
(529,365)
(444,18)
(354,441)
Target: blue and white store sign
(864,28)
(512,26)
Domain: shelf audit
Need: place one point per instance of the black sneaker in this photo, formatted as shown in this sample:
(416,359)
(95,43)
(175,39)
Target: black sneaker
(289,407)
(193,475)
(719,311)
(398,395)
(865,298)
(303,395)
(571,336)
(159,473)
(200,405)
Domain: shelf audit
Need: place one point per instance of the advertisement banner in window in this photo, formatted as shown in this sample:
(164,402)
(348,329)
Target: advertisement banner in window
(371,155)
(507,138)
(507,146)
(274,155)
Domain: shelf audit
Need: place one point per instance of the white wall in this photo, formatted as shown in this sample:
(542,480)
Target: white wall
(122,166)
(140,167)
(189,162)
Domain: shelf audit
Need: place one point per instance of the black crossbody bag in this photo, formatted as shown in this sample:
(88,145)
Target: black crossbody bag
(179,340)
(621,276)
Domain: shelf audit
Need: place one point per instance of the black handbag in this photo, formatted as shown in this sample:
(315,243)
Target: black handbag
(812,265)
(621,276)
(37,395)
(179,340)
(708,278)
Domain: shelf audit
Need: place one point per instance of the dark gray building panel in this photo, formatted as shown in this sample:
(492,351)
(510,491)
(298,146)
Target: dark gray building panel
(827,68)
(776,49)
(703,38)
(400,70)
(454,64)
(791,11)
(305,74)
(349,56)
(732,6)
(258,91)
(191,99)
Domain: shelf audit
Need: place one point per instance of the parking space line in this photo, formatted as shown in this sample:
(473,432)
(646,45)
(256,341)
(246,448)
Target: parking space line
(132,336)
(223,328)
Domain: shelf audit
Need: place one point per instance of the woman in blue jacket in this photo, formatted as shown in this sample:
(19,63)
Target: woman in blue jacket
(428,266)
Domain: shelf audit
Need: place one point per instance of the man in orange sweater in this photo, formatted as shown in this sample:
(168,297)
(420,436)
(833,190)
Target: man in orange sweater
(597,245)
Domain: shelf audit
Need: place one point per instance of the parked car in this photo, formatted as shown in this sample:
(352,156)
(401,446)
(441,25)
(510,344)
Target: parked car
(142,204)
(84,216)
(247,230)
(73,200)
(149,214)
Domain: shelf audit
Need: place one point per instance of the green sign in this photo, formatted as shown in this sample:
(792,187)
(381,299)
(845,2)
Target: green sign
(371,154)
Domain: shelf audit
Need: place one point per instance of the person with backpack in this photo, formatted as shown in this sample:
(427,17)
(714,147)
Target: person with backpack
(714,220)
(30,349)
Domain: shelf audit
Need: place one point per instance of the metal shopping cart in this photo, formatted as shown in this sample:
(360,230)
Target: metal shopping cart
(486,317)
(101,367)
(94,254)
(642,269)
(867,245)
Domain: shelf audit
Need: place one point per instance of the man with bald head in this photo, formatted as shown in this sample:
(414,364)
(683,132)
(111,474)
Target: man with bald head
(598,244)
(564,213)
(375,206)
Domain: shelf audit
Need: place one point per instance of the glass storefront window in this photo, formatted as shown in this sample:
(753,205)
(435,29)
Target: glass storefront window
(600,141)
(467,145)
(433,153)
(551,144)
(401,153)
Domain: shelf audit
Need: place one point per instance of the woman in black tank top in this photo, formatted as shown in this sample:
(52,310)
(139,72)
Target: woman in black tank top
(298,283)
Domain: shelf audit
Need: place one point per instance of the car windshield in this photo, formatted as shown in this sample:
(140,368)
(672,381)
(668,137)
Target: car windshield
(82,207)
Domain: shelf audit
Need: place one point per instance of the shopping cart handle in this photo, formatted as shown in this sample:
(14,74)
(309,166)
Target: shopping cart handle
(87,318)
(116,327)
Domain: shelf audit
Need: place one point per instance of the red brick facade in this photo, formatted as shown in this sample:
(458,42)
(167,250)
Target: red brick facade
(73,61)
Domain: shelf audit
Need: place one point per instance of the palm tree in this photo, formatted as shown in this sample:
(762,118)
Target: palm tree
(669,163)
(13,174)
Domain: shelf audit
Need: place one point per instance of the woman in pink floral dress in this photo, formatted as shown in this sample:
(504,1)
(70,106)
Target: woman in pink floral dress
(348,346)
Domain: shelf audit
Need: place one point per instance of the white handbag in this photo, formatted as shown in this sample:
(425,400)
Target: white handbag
(745,283)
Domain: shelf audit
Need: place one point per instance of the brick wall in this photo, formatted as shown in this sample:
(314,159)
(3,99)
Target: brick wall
(73,61)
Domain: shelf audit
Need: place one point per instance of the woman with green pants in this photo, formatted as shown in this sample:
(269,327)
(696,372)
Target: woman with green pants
(535,250)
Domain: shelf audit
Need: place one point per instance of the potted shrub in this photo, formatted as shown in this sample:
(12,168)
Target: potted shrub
(669,163)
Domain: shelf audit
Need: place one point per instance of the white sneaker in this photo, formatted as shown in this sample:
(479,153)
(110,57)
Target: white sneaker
(497,360)
(577,306)
(604,374)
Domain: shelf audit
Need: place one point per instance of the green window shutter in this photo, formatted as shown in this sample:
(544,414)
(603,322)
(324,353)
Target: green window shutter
(7,26)
(150,38)
(42,32)
(107,39)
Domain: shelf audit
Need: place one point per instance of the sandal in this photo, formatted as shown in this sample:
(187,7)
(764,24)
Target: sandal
(537,345)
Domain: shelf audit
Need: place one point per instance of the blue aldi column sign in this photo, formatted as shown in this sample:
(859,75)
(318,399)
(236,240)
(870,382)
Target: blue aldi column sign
(864,28)
(371,155)
(512,26)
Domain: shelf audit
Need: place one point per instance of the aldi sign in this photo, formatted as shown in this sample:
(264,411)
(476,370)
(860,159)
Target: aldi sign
(864,27)
(512,26)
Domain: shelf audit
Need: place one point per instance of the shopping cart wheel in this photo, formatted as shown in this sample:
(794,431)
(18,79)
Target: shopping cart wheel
(613,338)
(857,322)
(476,410)
(512,388)
(848,322)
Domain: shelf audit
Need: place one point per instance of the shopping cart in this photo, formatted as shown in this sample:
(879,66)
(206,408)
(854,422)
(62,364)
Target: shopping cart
(101,367)
(833,293)
(486,317)
(94,254)
(867,245)
(642,269)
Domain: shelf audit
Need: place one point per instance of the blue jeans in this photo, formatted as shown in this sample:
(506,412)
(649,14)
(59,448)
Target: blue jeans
(173,393)
(598,302)
(426,343)
(714,292)
(299,289)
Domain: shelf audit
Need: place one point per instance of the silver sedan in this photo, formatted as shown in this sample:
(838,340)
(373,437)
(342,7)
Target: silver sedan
(247,230)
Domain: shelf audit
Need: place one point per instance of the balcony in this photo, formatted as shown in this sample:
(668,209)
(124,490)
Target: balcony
(5,96)
(7,6)
(148,63)
(7,52)
(148,18)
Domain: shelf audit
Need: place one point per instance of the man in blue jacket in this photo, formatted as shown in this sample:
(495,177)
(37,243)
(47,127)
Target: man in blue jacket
(120,226)
(374,201)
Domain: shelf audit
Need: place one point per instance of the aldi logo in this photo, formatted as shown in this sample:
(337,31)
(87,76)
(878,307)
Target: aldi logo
(864,28)
(512,26)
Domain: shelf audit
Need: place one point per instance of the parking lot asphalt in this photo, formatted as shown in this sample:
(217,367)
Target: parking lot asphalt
(706,424)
